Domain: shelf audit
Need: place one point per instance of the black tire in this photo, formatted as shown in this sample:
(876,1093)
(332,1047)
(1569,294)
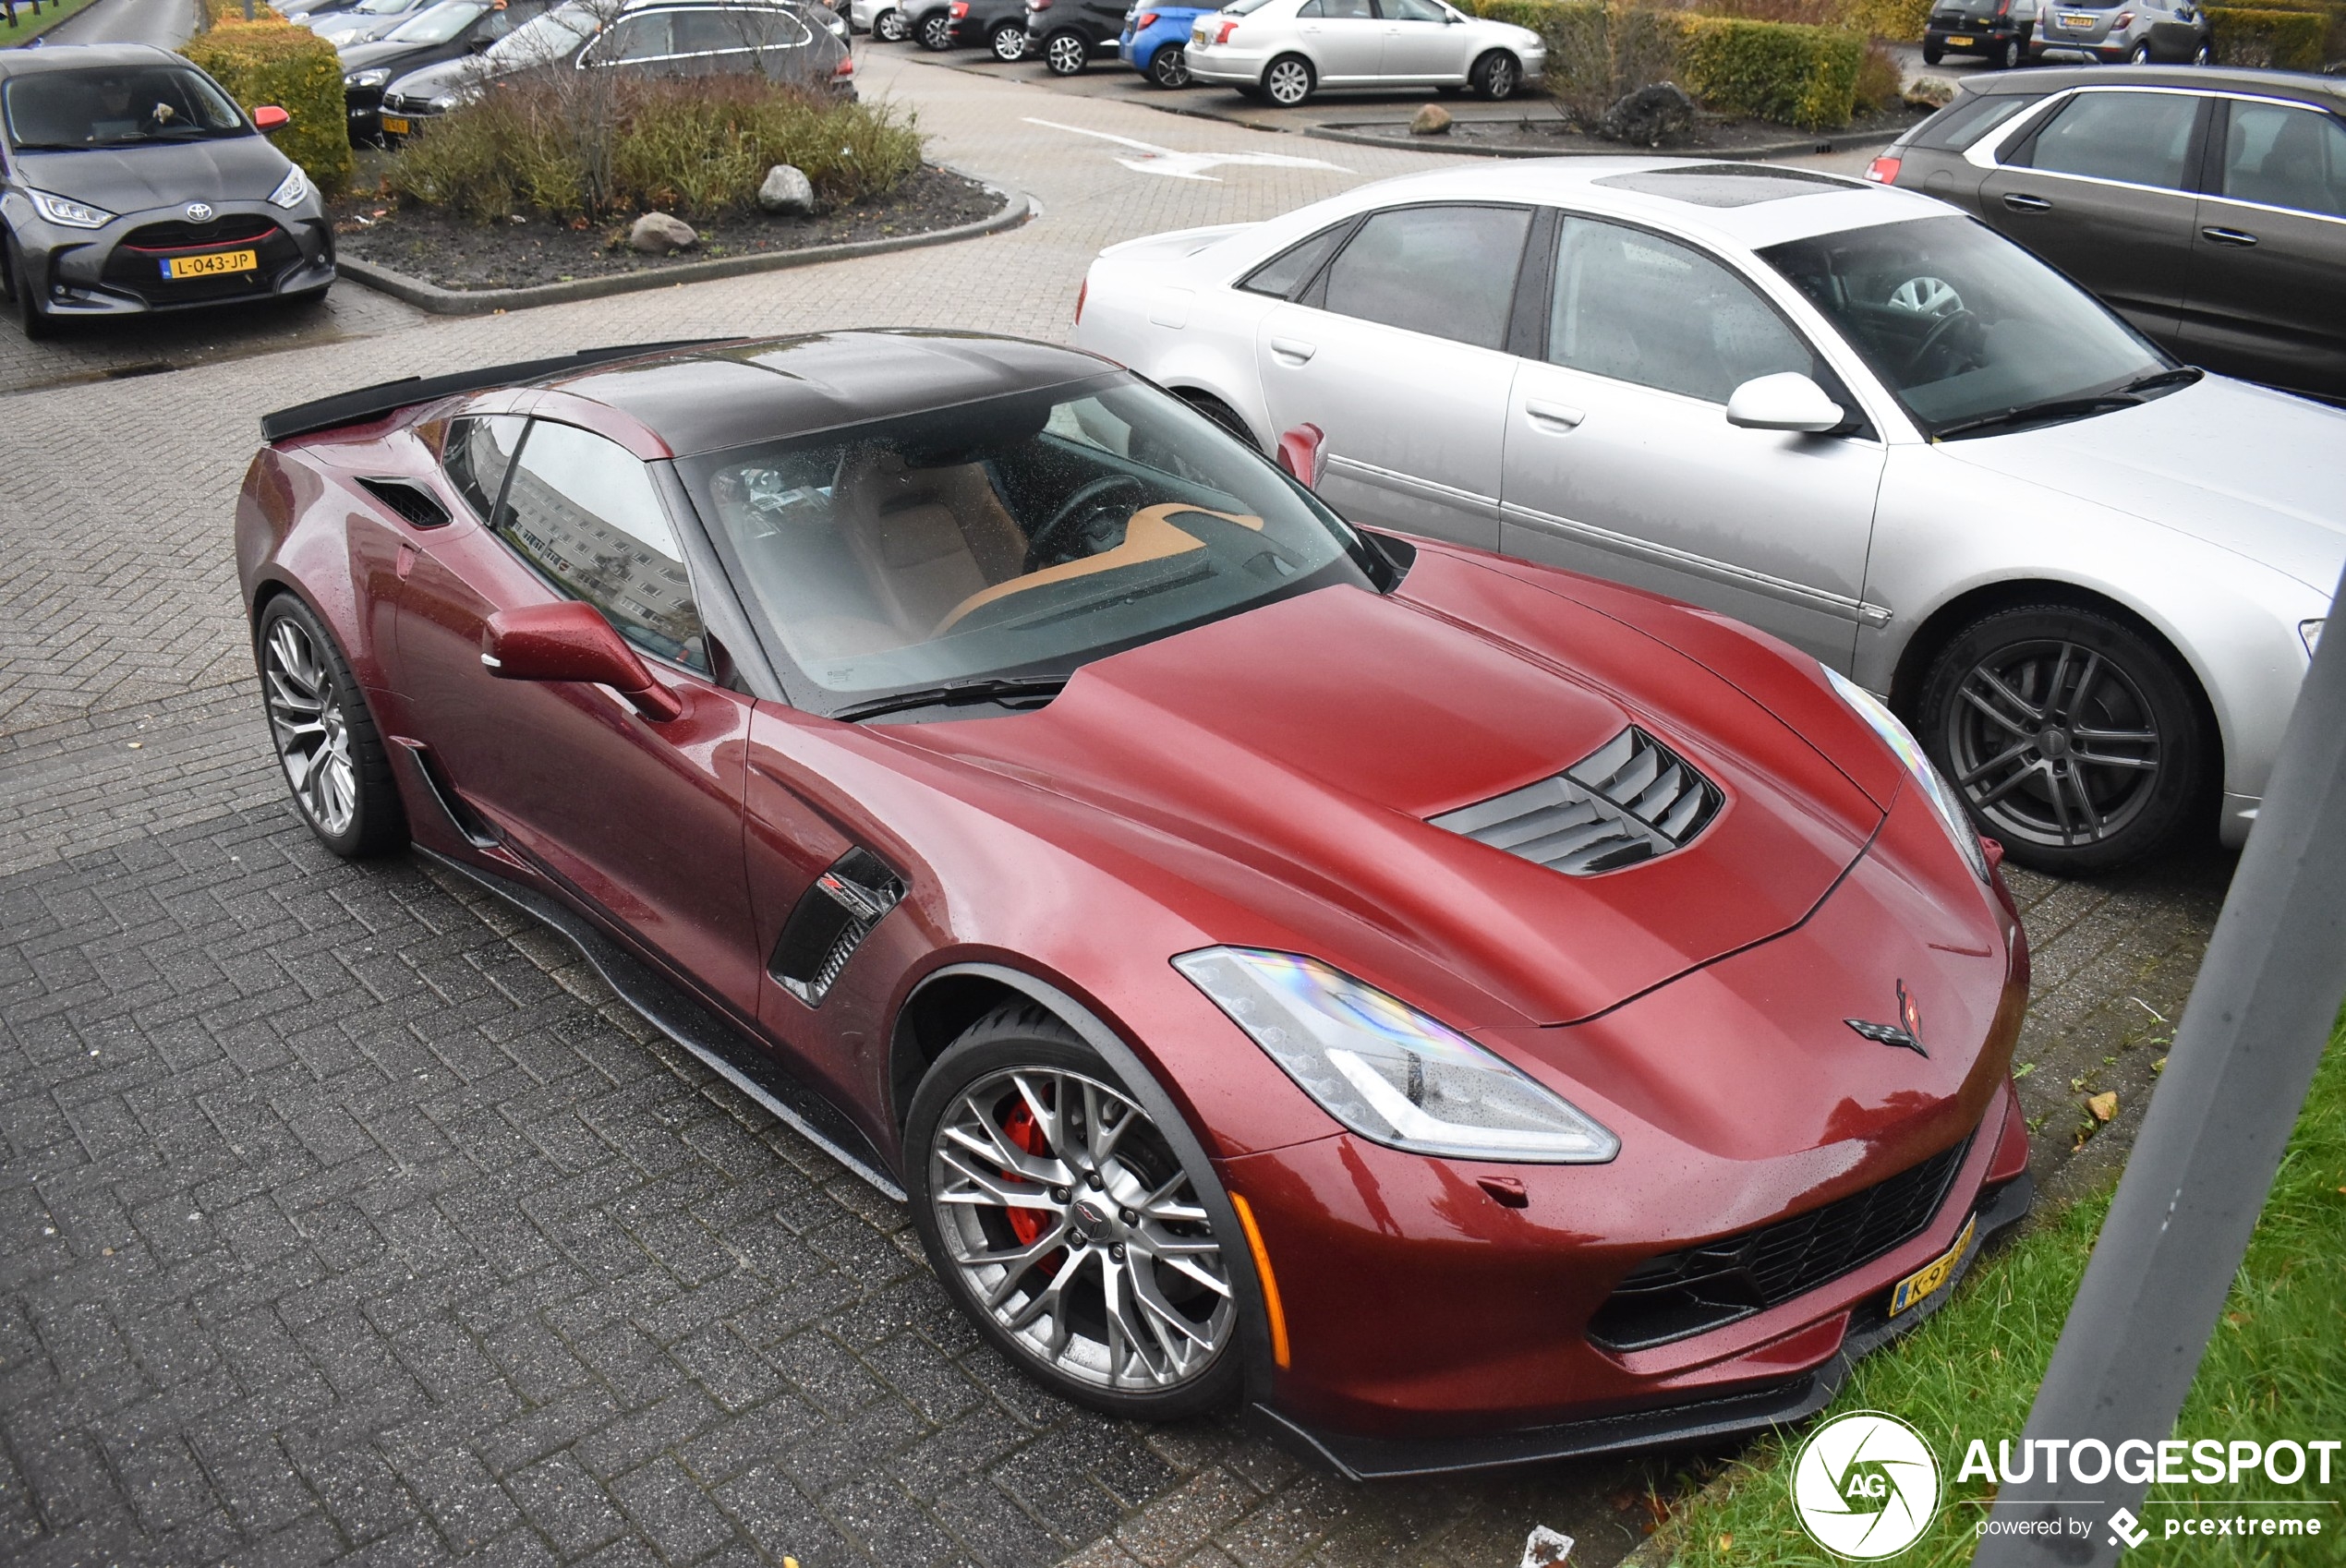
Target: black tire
(1288,81)
(1169,66)
(1008,41)
(2205,55)
(23,296)
(355,811)
(969,1089)
(2005,57)
(1495,76)
(936,31)
(889,27)
(2140,54)
(1066,52)
(1933,54)
(1222,414)
(2044,682)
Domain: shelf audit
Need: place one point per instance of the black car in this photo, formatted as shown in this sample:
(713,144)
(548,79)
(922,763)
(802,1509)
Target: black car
(1069,33)
(452,30)
(132,182)
(1000,25)
(791,42)
(1996,29)
(2207,205)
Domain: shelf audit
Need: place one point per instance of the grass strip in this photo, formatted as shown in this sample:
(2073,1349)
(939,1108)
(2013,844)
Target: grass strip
(2275,1368)
(30,27)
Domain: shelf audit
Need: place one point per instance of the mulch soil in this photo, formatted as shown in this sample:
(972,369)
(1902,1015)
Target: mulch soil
(456,253)
(1541,127)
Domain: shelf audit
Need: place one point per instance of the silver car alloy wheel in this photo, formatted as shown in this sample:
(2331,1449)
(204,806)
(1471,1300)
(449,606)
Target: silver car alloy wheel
(1065,53)
(312,735)
(1289,82)
(937,31)
(2053,743)
(889,26)
(1499,81)
(1077,1230)
(1009,43)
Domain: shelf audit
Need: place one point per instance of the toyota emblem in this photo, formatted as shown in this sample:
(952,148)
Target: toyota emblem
(199,212)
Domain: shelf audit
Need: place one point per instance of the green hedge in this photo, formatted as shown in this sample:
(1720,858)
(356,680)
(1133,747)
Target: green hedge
(1900,20)
(1782,71)
(2333,14)
(275,61)
(2284,41)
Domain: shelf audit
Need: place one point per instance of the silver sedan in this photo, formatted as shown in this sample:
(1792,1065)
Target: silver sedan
(2088,576)
(1286,50)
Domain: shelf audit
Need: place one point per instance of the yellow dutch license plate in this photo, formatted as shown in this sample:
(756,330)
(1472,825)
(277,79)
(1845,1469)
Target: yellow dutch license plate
(1954,43)
(396,125)
(1931,1275)
(214,265)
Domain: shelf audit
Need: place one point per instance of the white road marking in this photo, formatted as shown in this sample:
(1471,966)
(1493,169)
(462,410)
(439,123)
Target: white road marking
(1154,160)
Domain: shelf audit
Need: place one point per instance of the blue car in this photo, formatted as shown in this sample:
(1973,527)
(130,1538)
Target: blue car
(1155,43)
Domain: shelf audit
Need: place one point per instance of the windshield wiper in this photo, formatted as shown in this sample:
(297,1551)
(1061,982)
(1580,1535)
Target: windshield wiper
(2037,413)
(1029,687)
(2181,376)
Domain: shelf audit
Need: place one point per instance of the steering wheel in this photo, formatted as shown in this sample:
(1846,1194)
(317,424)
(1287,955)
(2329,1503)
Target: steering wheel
(1935,339)
(1926,295)
(1047,545)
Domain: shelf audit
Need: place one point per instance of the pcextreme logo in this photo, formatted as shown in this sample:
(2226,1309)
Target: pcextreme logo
(1864,1485)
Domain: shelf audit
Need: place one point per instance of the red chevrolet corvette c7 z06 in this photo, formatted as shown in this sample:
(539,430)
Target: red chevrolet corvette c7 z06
(1467,1012)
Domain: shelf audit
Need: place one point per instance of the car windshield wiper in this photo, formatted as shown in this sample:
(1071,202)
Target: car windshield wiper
(1030,687)
(2181,376)
(2041,413)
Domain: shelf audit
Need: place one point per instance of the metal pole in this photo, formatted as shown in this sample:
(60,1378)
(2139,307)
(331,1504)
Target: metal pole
(2243,1056)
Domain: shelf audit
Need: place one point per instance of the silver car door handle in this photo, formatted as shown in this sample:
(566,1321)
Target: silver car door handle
(1557,416)
(2020,203)
(1293,349)
(2230,236)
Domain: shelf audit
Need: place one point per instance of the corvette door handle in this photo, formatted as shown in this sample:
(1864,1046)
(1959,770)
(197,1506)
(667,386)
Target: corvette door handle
(2230,236)
(2020,203)
(1295,351)
(1553,416)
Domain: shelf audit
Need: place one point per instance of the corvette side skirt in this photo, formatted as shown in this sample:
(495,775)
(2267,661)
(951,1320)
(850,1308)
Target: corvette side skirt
(1682,1426)
(699,1029)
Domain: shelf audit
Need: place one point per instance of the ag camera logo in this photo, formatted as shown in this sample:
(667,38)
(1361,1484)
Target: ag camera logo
(1866,1486)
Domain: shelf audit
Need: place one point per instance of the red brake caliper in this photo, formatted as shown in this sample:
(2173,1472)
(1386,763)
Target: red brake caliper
(1026,1224)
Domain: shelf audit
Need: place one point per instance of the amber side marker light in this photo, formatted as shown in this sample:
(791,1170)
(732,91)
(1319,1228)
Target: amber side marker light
(1271,1306)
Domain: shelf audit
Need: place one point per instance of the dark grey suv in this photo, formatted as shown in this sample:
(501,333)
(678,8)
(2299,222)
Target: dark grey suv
(2207,205)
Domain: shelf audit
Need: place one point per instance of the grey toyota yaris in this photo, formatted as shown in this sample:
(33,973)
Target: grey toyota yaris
(132,182)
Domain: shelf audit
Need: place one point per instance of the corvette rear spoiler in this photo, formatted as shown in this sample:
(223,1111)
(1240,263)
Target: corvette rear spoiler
(385,397)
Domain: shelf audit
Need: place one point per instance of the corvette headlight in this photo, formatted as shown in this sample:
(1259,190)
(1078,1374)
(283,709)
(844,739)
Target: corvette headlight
(1388,1071)
(374,75)
(291,191)
(1935,788)
(2311,632)
(72,214)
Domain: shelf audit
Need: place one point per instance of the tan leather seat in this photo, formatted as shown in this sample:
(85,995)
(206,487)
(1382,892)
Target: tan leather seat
(926,537)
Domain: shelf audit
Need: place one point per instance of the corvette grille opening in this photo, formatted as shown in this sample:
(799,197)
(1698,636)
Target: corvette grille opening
(831,921)
(1630,800)
(411,501)
(1709,1286)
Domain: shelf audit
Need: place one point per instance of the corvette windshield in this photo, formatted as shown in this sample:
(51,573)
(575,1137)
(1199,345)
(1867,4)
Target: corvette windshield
(1971,332)
(116,106)
(1014,537)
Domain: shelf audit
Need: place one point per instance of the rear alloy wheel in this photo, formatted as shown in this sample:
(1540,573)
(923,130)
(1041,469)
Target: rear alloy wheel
(1059,1216)
(1287,81)
(1495,76)
(937,31)
(326,740)
(2005,57)
(2072,738)
(2140,54)
(1222,414)
(1169,66)
(1066,53)
(2205,55)
(889,27)
(1009,42)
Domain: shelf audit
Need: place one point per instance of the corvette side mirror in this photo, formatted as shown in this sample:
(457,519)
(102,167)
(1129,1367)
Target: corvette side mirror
(1299,453)
(571,641)
(269,118)
(1788,401)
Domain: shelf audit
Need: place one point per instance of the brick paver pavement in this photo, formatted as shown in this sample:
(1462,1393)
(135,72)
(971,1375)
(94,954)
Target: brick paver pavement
(344,1217)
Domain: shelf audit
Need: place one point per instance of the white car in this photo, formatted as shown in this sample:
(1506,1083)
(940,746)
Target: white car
(881,18)
(2090,577)
(1286,50)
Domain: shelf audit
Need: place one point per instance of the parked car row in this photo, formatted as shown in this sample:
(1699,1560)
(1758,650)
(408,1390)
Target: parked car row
(2009,33)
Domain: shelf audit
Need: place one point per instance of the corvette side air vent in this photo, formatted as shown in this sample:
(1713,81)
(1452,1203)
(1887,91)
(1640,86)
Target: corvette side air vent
(1631,799)
(412,501)
(830,922)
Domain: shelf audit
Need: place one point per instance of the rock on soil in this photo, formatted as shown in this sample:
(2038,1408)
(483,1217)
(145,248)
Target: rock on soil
(786,190)
(1658,114)
(1432,120)
(656,234)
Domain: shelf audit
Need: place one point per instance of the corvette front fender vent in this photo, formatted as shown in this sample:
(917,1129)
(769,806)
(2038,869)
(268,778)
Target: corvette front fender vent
(831,921)
(1633,799)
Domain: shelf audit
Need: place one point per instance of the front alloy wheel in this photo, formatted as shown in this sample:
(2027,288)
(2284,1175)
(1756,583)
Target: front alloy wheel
(1060,1215)
(2070,736)
(1066,53)
(889,26)
(1495,75)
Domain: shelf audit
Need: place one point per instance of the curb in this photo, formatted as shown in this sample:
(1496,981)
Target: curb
(482,302)
(1842,143)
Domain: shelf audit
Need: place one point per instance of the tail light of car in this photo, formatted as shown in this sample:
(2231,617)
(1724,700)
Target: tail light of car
(2125,20)
(1222,33)
(1038,4)
(1883,171)
(1082,295)
(1145,20)
(958,9)
(846,67)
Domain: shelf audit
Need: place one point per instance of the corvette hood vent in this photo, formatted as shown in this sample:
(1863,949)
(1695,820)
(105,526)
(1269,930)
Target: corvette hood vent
(1633,799)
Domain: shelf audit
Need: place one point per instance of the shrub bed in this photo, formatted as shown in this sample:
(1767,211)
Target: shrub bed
(695,148)
(2333,14)
(275,61)
(2286,41)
